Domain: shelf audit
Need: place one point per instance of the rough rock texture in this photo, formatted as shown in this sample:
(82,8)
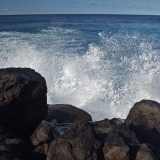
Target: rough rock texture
(23,106)
(117,139)
(106,127)
(145,152)
(43,134)
(78,143)
(144,120)
(40,152)
(66,113)
(12,148)
(23,102)
(116,152)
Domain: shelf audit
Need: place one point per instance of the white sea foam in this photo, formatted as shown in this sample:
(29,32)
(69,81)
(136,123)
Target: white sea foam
(106,80)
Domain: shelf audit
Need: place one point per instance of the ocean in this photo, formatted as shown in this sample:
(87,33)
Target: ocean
(102,64)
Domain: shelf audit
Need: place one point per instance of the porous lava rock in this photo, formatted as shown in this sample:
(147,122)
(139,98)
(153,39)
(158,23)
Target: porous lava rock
(116,139)
(78,143)
(144,120)
(23,101)
(67,133)
(145,151)
(66,113)
(43,134)
(116,152)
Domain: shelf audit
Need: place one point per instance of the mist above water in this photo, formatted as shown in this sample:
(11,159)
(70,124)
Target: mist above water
(104,78)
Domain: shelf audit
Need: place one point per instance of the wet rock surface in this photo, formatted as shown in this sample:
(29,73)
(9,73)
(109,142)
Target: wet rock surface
(43,134)
(77,143)
(22,99)
(67,133)
(116,139)
(144,120)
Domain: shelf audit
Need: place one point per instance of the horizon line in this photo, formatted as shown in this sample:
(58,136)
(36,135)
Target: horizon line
(78,14)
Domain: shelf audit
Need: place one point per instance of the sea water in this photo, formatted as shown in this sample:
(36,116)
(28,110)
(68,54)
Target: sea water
(100,63)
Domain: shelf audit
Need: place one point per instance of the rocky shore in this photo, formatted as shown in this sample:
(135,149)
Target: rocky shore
(32,129)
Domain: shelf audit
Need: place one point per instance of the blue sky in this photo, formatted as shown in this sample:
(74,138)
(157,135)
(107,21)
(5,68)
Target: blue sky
(149,7)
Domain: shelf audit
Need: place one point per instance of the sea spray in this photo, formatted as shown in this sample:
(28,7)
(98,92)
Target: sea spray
(103,72)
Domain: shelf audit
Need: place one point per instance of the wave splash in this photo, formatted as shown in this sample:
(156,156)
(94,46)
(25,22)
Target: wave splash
(105,80)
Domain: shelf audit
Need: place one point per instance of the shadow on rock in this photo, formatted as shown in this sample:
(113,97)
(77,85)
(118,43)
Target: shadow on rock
(66,113)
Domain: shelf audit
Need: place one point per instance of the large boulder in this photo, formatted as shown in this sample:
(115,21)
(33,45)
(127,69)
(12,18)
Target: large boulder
(23,101)
(144,120)
(66,113)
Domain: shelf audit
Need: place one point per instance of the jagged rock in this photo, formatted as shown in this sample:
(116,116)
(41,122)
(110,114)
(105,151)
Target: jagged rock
(78,143)
(116,152)
(40,152)
(116,139)
(23,102)
(23,106)
(41,139)
(145,153)
(66,113)
(43,134)
(102,129)
(144,120)
(106,127)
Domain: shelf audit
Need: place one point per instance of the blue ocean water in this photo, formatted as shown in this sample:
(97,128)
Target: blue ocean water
(100,63)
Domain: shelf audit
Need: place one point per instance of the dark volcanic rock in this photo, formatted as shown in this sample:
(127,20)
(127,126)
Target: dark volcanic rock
(119,151)
(145,152)
(43,134)
(78,143)
(12,148)
(23,106)
(144,120)
(106,128)
(40,152)
(23,102)
(116,139)
(66,113)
